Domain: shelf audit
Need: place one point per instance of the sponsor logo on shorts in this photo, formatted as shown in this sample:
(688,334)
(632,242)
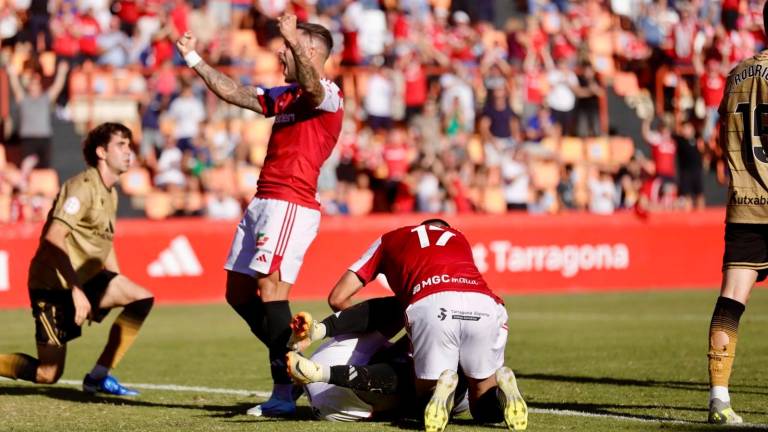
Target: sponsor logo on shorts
(261,239)
(261,258)
(462,315)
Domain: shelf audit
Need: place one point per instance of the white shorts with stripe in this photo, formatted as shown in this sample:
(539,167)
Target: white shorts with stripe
(331,402)
(453,328)
(273,235)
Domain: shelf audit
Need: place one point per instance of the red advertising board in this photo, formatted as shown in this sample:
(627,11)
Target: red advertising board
(181,260)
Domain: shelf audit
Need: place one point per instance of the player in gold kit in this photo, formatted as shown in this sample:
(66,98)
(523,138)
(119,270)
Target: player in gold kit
(743,136)
(74,274)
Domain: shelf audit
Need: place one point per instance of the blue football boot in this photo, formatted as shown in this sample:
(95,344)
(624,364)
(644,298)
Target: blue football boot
(107,385)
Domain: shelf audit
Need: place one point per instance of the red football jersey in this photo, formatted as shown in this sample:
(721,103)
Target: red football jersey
(422,260)
(302,138)
(712,87)
(664,154)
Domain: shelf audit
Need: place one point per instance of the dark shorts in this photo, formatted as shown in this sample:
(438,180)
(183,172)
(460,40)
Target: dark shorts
(690,184)
(54,311)
(746,247)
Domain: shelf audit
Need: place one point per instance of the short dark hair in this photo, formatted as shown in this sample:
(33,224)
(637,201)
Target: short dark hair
(436,222)
(99,137)
(316,30)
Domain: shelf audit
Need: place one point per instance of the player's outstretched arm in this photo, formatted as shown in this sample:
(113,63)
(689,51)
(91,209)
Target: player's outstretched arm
(306,74)
(223,86)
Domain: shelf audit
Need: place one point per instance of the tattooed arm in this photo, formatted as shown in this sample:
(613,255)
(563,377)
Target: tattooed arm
(306,74)
(223,86)
(228,89)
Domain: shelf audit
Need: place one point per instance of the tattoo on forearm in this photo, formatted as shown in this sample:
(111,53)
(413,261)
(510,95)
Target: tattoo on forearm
(227,89)
(306,74)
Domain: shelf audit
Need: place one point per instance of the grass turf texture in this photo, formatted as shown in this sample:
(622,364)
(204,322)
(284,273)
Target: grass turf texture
(632,355)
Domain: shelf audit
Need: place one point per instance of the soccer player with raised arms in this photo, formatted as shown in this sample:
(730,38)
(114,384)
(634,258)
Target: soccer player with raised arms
(743,137)
(282,219)
(74,275)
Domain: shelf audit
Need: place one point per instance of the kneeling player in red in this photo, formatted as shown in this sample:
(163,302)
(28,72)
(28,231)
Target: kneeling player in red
(452,318)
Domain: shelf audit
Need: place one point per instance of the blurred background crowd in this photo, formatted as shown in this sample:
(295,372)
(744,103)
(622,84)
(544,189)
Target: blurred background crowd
(486,106)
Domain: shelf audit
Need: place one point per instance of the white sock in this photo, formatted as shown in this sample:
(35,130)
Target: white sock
(326,372)
(282,391)
(321,332)
(719,392)
(98,372)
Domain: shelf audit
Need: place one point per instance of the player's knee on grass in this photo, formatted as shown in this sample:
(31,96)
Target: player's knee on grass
(486,408)
(48,374)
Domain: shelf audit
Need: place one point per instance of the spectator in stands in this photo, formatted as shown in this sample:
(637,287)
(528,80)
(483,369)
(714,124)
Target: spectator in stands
(219,205)
(150,110)
(663,154)
(35,128)
(543,202)
(588,93)
(37,28)
(378,97)
(187,112)
(64,31)
(169,174)
(415,91)
(114,45)
(712,85)
(397,157)
(602,192)
(540,125)
(499,126)
(88,31)
(566,188)
(9,24)
(457,98)
(561,98)
(689,159)
(514,171)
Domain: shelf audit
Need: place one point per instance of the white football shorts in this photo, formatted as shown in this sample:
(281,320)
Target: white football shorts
(453,328)
(273,235)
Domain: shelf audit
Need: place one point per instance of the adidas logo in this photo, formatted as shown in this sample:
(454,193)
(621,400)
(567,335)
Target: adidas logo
(262,258)
(178,259)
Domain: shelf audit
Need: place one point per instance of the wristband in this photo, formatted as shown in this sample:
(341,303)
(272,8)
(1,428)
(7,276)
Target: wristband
(192,58)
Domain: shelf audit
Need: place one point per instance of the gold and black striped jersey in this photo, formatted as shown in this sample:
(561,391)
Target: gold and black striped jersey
(744,139)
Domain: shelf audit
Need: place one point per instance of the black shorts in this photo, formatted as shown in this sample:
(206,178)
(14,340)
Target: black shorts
(54,310)
(746,247)
(690,184)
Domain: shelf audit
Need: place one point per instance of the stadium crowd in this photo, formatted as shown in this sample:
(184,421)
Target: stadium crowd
(444,112)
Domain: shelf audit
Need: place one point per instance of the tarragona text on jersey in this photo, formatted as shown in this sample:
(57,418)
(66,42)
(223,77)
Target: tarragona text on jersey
(744,137)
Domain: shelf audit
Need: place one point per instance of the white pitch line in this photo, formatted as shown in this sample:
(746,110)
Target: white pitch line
(263,394)
(180,388)
(588,316)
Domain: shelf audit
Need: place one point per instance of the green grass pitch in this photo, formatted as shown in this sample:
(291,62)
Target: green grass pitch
(596,362)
